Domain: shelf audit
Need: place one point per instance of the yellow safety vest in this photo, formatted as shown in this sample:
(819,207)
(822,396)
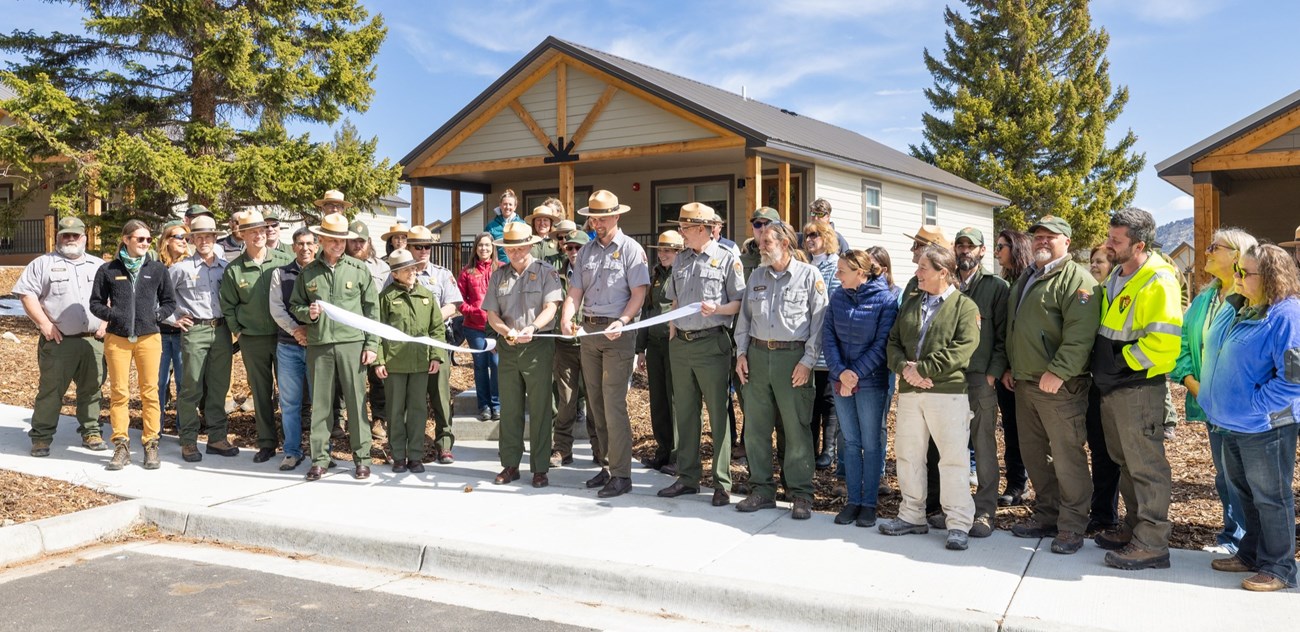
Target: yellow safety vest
(1148,313)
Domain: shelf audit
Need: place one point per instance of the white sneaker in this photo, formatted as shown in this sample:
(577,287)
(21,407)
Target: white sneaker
(247,406)
(231,406)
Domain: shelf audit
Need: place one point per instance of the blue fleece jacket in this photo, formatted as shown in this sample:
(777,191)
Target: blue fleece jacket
(857,330)
(1252,383)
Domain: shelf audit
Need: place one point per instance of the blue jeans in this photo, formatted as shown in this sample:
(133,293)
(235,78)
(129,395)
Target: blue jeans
(171,361)
(1259,469)
(859,417)
(485,370)
(1233,518)
(291,375)
(890,383)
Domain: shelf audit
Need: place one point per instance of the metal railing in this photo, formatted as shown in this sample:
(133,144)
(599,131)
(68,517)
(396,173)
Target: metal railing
(443,252)
(26,237)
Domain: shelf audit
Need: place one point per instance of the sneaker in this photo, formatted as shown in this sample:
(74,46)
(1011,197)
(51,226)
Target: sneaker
(1067,542)
(957,540)
(151,460)
(496,414)
(1031,529)
(289,463)
(445,457)
(982,527)
(94,443)
(898,526)
(754,502)
(247,406)
(1229,565)
(41,448)
(1011,498)
(121,455)
(557,459)
(848,514)
(1113,539)
(866,517)
(484,413)
(937,520)
(1135,558)
(1262,582)
(377,430)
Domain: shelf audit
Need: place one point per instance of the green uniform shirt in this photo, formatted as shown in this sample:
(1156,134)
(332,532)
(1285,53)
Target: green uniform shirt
(246,293)
(1052,322)
(347,285)
(990,295)
(413,312)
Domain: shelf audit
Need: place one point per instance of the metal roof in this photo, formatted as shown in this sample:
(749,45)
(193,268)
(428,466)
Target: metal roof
(1177,169)
(761,124)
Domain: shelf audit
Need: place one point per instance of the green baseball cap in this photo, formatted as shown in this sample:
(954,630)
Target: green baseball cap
(71,225)
(973,234)
(271,216)
(1054,224)
(198,209)
(765,212)
(577,237)
(359,227)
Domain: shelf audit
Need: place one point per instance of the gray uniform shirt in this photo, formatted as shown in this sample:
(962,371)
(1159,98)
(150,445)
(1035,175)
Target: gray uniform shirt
(784,306)
(607,274)
(62,286)
(715,274)
(519,297)
(196,285)
(439,281)
(379,272)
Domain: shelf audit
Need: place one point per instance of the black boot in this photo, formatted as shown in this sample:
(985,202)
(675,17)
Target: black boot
(830,428)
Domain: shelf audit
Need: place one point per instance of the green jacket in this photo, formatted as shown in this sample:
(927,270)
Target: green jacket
(546,251)
(347,285)
(656,303)
(750,258)
(952,337)
(245,293)
(990,294)
(413,312)
(1054,327)
(1192,347)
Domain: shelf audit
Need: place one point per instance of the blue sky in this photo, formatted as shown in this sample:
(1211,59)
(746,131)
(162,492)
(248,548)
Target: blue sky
(1192,66)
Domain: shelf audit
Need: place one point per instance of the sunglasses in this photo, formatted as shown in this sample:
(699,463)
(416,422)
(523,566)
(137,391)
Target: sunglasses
(421,247)
(574,248)
(179,236)
(1213,247)
(138,240)
(811,236)
(1241,272)
(1001,246)
(760,224)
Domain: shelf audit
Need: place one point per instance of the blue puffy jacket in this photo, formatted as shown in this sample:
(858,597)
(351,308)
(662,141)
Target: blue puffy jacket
(857,329)
(1251,378)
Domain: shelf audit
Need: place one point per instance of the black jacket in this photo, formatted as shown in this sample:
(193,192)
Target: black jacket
(132,309)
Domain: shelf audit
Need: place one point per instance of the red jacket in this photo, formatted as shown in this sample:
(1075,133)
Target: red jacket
(473,283)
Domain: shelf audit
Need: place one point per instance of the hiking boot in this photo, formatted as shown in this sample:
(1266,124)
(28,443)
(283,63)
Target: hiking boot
(121,455)
(802,509)
(289,463)
(937,520)
(1229,565)
(222,448)
(191,454)
(982,527)
(1031,529)
(151,461)
(848,514)
(1262,582)
(377,431)
(445,457)
(1135,558)
(898,526)
(94,443)
(1067,542)
(957,540)
(1114,539)
(41,448)
(866,517)
(1011,498)
(754,502)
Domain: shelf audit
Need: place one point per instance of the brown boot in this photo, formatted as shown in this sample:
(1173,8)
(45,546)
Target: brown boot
(377,431)
(121,455)
(151,461)
(1133,558)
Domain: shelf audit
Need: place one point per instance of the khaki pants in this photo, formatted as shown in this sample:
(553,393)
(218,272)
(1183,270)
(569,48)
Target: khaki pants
(1053,432)
(1133,419)
(606,368)
(944,417)
(146,353)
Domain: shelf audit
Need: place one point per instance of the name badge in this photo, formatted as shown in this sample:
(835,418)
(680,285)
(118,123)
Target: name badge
(759,288)
(121,278)
(58,269)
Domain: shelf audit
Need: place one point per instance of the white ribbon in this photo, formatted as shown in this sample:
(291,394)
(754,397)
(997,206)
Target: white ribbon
(685,310)
(388,332)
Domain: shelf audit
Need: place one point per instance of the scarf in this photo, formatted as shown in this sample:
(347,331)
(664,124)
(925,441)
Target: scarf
(132,264)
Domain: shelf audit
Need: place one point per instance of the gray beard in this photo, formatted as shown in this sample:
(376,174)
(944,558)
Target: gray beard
(72,251)
(765,259)
(1043,256)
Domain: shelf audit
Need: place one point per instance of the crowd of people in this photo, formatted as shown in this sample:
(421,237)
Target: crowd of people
(810,336)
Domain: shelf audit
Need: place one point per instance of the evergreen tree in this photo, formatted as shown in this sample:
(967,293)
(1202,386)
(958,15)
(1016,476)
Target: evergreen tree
(162,104)
(1027,86)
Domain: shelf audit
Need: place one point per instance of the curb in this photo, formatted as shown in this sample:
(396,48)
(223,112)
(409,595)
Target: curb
(31,540)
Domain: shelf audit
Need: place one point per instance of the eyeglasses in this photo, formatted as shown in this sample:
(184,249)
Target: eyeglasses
(760,224)
(421,247)
(1241,272)
(1001,246)
(573,248)
(1213,247)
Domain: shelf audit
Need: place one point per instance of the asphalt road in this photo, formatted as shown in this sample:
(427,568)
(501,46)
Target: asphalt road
(134,592)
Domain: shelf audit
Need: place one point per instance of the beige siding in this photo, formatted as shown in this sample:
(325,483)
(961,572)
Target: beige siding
(627,121)
(505,136)
(471,223)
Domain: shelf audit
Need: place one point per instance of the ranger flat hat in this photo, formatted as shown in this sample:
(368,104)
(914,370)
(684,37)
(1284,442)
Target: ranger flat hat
(401,258)
(1288,244)
(564,227)
(517,234)
(671,240)
(420,235)
(203,225)
(333,195)
(543,211)
(1054,224)
(71,226)
(248,220)
(931,236)
(602,203)
(973,234)
(695,213)
(397,229)
(334,225)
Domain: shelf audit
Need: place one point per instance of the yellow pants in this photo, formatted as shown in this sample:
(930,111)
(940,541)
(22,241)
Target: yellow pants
(146,352)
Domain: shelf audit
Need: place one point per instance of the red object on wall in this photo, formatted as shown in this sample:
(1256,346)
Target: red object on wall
(636,186)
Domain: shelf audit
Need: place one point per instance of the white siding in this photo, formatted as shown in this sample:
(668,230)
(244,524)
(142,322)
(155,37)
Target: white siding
(471,223)
(505,136)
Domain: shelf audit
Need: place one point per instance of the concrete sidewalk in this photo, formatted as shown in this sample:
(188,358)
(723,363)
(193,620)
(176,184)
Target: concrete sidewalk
(681,557)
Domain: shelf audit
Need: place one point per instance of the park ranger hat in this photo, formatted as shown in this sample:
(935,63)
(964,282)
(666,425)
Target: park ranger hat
(973,234)
(359,227)
(544,211)
(198,209)
(334,225)
(401,258)
(765,212)
(1288,244)
(203,225)
(397,229)
(1054,224)
(931,236)
(602,203)
(420,235)
(695,213)
(71,226)
(517,234)
(564,227)
(670,239)
(333,195)
(248,220)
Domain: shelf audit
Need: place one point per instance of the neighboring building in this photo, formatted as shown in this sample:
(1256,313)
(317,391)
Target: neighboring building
(568,119)
(26,237)
(1246,175)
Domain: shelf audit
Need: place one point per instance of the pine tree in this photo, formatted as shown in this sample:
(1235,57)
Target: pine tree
(160,104)
(1027,86)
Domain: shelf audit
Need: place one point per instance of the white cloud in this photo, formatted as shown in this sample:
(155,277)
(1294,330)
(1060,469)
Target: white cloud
(895,92)
(1164,12)
(423,47)
(1176,208)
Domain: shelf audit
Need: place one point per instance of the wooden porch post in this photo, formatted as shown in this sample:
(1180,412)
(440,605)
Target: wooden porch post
(753,185)
(49,233)
(1205,196)
(94,208)
(566,187)
(417,205)
(455,231)
(783,190)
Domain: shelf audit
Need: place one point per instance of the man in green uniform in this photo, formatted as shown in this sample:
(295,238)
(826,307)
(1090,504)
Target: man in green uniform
(522,299)
(652,353)
(246,304)
(336,351)
(749,260)
(706,273)
(363,250)
(571,406)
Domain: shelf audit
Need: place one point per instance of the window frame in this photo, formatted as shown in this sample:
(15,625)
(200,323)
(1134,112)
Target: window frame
(879,187)
(728,180)
(926,218)
(580,196)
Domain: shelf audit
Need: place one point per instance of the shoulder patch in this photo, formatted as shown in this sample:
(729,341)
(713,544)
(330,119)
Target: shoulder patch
(821,286)
(1084,296)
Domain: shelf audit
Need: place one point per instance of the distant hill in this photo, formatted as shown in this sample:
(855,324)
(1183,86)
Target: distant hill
(1174,233)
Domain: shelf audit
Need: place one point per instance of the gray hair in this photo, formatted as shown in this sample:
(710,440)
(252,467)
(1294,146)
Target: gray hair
(303,231)
(1141,226)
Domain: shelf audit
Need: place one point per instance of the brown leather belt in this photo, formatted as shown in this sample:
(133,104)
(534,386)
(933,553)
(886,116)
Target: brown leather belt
(698,333)
(773,345)
(89,334)
(211,322)
(597,320)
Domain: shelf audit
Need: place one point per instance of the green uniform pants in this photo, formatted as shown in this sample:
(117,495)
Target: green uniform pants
(206,353)
(1053,433)
(259,365)
(606,368)
(440,406)
(569,399)
(701,373)
(75,360)
(769,396)
(326,363)
(1133,419)
(406,413)
(525,376)
(983,400)
(659,375)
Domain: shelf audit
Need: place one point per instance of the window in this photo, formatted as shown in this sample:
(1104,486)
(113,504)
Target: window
(930,209)
(871,201)
(6,193)
(670,195)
